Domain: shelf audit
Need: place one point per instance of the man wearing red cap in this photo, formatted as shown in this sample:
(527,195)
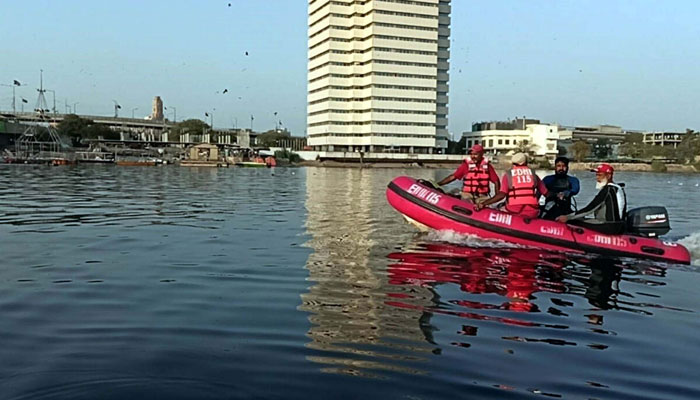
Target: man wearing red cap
(608,207)
(477,174)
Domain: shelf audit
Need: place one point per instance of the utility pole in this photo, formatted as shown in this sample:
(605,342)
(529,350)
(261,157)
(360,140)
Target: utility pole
(53,93)
(174,113)
(132,112)
(13,86)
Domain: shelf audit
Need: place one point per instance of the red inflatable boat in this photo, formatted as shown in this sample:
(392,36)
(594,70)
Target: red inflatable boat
(421,203)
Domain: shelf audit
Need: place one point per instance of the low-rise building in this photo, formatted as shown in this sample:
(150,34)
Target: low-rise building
(604,139)
(672,139)
(503,137)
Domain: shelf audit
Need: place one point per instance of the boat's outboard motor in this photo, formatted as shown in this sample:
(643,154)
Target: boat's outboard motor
(648,221)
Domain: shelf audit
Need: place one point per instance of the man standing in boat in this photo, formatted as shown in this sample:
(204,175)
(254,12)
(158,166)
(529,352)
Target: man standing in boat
(521,188)
(561,188)
(608,207)
(477,174)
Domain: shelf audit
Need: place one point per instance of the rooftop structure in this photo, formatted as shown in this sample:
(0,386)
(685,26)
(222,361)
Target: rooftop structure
(378,75)
(663,138)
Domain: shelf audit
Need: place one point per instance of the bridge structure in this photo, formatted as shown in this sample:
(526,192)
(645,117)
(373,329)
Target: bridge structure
(148,129)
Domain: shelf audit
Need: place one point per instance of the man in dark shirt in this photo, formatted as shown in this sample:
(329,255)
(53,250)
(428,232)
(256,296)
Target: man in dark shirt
(608,207)
(561,188)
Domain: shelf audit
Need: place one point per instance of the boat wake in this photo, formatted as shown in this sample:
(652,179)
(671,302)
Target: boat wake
(692,243)
(453,237)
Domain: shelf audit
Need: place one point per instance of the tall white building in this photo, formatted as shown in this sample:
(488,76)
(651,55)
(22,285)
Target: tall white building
(378,75)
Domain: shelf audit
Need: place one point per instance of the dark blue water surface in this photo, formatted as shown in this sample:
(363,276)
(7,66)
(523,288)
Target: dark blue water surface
(177,283)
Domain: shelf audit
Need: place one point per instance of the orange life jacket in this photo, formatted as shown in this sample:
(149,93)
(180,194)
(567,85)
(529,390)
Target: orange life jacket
(522,186)
(476,181)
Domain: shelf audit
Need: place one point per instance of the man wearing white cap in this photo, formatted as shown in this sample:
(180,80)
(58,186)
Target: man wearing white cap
(608,207)
(521,188)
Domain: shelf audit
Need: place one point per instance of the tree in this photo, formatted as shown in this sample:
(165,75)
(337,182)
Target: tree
(192,126)
(602,148)
(580,150)
(689,147)
(524,146)
(271,137)
(632,145)
(458,147)
(78,129)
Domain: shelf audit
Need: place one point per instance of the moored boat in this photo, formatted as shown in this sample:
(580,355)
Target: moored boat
(251,164)
(429,207)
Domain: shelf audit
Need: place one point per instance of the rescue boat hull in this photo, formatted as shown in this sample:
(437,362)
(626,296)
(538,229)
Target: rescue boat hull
(436,210)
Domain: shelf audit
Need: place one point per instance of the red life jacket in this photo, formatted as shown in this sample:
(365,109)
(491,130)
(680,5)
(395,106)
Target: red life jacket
(476,181)
(522,186)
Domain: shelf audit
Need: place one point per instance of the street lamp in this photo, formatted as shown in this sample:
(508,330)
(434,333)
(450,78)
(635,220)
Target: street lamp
(174,113)
(75,109)
(13,86)
(132,112)
(210,114)
(53,93)
(117,107)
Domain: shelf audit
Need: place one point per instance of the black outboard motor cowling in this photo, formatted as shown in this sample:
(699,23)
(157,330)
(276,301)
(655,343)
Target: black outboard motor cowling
(648,221)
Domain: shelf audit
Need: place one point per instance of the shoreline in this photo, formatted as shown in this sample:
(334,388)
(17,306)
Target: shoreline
(573,166)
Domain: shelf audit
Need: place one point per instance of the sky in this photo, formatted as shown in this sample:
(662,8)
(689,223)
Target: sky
(632,63)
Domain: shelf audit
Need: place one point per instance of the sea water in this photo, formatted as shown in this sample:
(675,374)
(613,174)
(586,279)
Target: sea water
(303,283)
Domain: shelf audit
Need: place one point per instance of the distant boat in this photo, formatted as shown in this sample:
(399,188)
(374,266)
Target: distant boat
(136,162)
(251,164)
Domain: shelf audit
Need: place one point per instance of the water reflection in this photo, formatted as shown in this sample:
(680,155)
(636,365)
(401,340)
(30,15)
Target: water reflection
(384,301)
(515,274)
(499,285)
(352,326)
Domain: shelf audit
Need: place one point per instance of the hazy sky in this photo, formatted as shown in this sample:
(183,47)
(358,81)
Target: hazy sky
(634,63)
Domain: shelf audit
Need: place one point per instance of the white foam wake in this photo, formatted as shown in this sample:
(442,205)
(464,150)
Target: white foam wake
(453,237)
(692,243)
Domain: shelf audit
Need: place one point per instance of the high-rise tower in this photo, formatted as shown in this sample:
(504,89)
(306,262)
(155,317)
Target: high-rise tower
(157,110)
(378,75)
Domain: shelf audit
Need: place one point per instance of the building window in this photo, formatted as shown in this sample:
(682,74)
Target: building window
(507,142)
(469,143)
(500,141)
(490,143)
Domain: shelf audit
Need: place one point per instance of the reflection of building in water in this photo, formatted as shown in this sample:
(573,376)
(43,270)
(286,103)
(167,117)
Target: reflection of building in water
(348,299)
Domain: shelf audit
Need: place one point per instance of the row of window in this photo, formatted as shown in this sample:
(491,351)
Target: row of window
(377,61)
(410,2)
(383,12)
(375,98)
(363,2)
(373,110)
(368,74)
(379,24)
(376,49)
(402,135)
(361,123)
(373,86)
(490,142)
(384,37)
